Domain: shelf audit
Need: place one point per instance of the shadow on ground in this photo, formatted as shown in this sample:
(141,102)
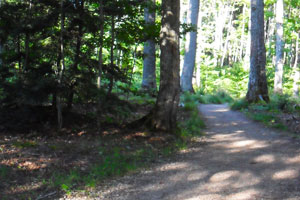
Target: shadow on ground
(240,159)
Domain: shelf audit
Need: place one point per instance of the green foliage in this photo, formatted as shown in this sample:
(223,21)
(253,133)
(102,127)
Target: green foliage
(4,172)
(232,79)
(25,144)
(218,97)
(193,124)
(239,104)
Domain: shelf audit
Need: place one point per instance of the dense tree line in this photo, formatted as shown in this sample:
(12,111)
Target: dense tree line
(63,52)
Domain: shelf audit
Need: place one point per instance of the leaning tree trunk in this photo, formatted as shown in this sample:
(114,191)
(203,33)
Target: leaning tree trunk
(257,86)
(149,77)
(163,116)
(190,48)
(279,47)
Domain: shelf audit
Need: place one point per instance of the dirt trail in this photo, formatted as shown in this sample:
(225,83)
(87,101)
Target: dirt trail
(239,159)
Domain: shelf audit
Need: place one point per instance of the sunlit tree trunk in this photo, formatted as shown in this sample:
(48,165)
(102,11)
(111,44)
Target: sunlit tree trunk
(62,67)
(279,47)
(221,16)
(190,48)
(296,69)
(163,116)
(199,49)
(149,76)
(248,46)
(229,31)
(242,43)
(257,86)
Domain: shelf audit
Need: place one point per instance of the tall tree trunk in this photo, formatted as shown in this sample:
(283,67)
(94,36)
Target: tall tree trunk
(296,69)
(100,61)
(80,6)
(190,48)
(248,47)
(229,28)
(279,47)
(0,44)
(111,77)
(27,40)
(199,48)
(257,86)
(149,76)
(62,67)
(163,116)
(240,55)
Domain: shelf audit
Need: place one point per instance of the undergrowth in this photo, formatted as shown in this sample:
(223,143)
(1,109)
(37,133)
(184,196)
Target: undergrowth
(192,125)
(119,160)
(216,97)
(269,113)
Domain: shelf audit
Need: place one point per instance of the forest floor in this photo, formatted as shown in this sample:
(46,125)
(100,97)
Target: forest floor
(38,162)
(238,159)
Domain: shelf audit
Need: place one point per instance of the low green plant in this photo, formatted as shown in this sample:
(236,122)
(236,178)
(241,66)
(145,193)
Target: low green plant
(217,97)
(4,171)
(193,125)
(239,104)
(25,144)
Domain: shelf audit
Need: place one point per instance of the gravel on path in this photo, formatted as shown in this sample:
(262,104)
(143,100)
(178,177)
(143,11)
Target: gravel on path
(238,160)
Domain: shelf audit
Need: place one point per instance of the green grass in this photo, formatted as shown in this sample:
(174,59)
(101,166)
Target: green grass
(217,97)
(239,104)
(116,162)
(193,124)
(25,144)
(4,172)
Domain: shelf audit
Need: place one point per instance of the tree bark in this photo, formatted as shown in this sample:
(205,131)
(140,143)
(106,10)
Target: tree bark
(0,45)
(296,69)
(163,116)
(149,69)
(100,61)
(62,67)
(257,86)
(190,48)
(279,47)
(111,77)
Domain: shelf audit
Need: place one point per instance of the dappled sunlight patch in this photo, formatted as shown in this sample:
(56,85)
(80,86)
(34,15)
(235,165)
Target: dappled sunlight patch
(293,160)
(210,117)
(238,144)
(221,110)
(285,174)
(206,196)
(267,158)
(252,144)
(222,176)
(246,179)
(173,166)
(245,194)
(197,175)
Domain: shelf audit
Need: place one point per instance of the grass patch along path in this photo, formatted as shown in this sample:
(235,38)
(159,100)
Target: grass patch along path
(238,159)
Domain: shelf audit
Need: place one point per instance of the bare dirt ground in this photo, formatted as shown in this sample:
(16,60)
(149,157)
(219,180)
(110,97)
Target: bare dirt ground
(238,159)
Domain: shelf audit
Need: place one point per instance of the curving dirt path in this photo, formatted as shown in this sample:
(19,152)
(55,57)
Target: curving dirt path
(239,159)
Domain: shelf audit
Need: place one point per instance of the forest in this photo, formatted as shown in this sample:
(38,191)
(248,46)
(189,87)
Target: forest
(91,90)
